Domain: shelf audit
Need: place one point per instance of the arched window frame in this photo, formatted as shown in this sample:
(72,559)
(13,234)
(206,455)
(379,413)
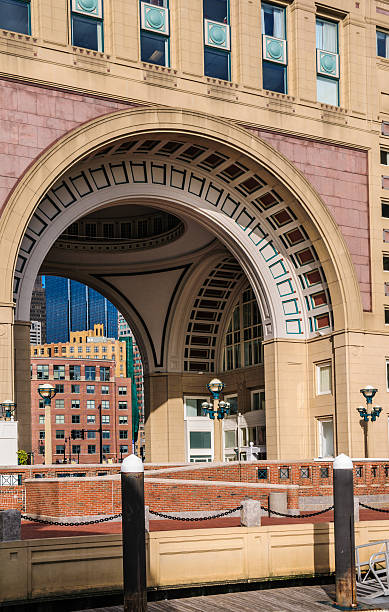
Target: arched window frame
(242,342)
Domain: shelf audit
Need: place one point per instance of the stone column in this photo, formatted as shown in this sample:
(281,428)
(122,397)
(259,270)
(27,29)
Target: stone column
(6,352)
(302,50)
(23,382)
(351,374)
(164,418)
(286,385)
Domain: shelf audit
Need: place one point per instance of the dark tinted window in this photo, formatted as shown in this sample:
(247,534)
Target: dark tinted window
(14,16)
(153,49)
(216,64)
(385,211)
(381,44)
(86,33)
(274,77)
(216,10)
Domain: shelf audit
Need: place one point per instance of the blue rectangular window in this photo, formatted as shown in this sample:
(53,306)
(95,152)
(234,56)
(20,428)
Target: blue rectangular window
(15,16)
(154,33)
(217,64)
(87,24)
(90,373)
(327,62)
(274,53)
(382,44)
(217,44)
(274,77)
(154,49)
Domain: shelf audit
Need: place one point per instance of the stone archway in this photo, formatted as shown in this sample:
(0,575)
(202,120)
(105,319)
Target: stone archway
(258,205)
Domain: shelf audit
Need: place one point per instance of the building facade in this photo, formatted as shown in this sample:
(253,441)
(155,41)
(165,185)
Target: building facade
(90,413)
(87,344)
(36,332)
(38,312)
(72,306)
(263,129)
(136,374)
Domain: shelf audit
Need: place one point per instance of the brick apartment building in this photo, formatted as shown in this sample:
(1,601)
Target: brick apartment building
(89,395)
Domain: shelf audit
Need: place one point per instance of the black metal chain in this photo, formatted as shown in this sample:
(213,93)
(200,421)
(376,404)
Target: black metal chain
(64,524)
(300,516)
(183,518)
(194,519)
(371,508)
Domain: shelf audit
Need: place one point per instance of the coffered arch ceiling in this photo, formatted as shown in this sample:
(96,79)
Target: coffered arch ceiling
(240,202)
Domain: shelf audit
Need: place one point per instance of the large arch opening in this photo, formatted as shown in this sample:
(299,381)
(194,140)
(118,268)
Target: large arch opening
(238,205)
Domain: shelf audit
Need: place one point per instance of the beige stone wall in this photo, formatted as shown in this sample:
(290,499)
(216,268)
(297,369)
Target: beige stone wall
(359,348)
(91,564)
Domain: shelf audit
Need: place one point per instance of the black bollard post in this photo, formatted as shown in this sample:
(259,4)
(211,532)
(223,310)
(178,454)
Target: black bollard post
(346,596)
(134,537)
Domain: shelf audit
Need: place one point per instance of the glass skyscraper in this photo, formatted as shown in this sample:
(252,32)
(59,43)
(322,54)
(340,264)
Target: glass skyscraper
(72,306)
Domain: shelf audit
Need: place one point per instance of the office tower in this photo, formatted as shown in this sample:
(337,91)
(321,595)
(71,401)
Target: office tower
(72,306)
(38,310)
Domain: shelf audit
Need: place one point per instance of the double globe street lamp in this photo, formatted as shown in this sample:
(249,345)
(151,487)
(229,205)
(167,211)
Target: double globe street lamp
(47,392)
(8,410)
(368,393)
(216,411)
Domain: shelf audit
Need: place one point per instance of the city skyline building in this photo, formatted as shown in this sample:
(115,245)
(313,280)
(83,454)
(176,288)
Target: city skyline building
(73,306)
(91,416)
(38,311)
(36,332)
(124,332)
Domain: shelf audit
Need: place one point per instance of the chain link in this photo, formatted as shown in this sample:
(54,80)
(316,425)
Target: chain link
(301,516)
(64,524)
(371,508)
(183,518)
(194,519)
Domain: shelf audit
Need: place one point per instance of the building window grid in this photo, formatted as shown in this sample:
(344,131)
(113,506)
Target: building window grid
(217,55)
(382,43)
(15,16)
(327,62)
(274,46)
(87,28)
(154,32)
(243,339)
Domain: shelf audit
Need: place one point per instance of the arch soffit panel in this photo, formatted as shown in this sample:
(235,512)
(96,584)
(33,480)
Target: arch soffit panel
(275,248)
(75,145)
(117,300)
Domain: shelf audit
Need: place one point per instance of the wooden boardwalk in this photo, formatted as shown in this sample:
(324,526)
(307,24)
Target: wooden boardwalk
(291,599)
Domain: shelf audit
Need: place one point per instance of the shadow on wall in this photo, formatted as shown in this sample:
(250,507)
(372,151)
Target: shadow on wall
(321,548)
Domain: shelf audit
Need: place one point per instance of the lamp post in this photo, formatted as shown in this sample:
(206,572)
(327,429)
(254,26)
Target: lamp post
(219,409)
(368,393)
(47,392)
(8,410)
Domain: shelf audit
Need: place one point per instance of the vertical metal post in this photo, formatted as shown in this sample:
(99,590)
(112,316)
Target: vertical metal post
(101,434)
(48,441)
(134,536)
(218,434)
(346,596)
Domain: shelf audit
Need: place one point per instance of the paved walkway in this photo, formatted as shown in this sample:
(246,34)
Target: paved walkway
(292,599)
(32,530)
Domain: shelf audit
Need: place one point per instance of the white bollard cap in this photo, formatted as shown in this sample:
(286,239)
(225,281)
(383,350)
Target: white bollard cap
(342,462)
(132,464)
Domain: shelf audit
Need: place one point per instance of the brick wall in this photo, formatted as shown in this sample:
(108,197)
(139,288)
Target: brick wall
(207,487)
(94,496)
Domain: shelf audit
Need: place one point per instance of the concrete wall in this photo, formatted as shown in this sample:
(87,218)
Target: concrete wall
(8,442)
(90,564)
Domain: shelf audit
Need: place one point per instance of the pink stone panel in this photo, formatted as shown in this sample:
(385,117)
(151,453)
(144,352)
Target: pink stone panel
(32,119)
(340,175)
